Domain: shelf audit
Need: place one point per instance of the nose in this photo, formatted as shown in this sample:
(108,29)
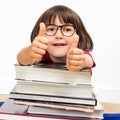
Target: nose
(59,32)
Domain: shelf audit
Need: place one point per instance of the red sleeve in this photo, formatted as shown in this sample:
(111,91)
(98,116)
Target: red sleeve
(46,58)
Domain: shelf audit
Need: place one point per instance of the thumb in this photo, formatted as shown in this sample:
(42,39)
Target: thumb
(42,29)
(75,42)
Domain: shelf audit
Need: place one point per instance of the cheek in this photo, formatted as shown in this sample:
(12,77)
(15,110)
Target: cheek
(49,42)
(70,42)
(49,47)
(73,39)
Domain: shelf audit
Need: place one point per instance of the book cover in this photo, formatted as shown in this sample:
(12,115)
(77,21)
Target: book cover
(10,107)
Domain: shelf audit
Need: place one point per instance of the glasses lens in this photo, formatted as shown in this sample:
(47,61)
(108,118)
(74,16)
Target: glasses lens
(51,29)
(68,30)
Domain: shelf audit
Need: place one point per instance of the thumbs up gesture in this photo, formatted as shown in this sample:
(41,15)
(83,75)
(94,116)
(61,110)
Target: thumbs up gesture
(75,57)
(39,44)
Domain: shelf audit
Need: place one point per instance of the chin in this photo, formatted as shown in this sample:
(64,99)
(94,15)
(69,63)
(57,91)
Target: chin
(59,55)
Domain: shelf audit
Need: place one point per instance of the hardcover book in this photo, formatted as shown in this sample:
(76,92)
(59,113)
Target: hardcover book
(52,73)
(98,112)
(54,89)
(35,97)
(55,105)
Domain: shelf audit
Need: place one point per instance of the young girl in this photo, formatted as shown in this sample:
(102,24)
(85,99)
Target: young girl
(59,36)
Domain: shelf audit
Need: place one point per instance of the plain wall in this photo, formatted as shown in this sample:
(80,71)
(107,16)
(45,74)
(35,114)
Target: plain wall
(101,19)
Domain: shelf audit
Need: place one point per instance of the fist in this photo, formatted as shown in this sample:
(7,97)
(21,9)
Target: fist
(39,44)
(75,57)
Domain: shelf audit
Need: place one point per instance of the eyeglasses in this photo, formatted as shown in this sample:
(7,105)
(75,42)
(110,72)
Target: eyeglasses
(66,30)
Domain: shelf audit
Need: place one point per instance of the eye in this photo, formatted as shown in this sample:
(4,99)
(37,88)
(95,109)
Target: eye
(50,28)
(67,29)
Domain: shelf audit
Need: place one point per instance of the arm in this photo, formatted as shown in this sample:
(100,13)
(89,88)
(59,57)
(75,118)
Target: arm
(24,57)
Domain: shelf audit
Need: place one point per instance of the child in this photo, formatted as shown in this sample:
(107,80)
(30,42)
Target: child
(59,36)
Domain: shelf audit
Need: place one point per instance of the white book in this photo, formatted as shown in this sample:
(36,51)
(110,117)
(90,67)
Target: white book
(52,73)
(88,100)
(54,89)
(98,112)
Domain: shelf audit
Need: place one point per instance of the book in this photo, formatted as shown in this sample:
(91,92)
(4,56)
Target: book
(98,112)
(9,107)
(10,111)
(52,73)
(6,116)
(54,89)
(85,101)
(73,107)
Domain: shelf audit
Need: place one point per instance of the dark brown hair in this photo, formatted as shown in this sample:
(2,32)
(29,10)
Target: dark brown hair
(66,15)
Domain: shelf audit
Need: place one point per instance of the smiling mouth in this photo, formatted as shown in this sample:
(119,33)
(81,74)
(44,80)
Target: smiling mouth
(59,44)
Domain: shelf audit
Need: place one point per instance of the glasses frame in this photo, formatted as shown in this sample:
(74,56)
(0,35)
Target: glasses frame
(61,26)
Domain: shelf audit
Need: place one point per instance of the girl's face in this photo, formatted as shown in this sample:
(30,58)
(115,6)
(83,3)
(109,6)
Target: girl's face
(59,45)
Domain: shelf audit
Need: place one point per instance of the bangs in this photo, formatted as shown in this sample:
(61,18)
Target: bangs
(64,14)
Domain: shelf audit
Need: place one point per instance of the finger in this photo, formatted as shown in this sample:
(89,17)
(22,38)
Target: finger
(38,51)
(76,51)
(76,63)
(40,40)
(36,56)
(42,29)
(75,42)
(74,68)
(74,45)
(76,57)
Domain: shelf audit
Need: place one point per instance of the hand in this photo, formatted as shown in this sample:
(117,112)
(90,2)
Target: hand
(39,44)
(75,57)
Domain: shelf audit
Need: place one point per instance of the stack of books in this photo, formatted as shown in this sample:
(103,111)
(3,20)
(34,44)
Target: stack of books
(52,90)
